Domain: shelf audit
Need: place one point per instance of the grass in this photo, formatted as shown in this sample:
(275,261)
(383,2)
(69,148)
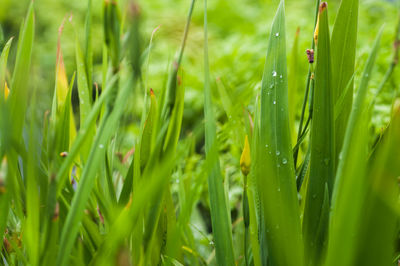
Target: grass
(114,172)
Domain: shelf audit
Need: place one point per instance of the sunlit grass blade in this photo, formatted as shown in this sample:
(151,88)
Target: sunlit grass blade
(221,227)
(343,48)
(322,163)
(275,167)
(350,183)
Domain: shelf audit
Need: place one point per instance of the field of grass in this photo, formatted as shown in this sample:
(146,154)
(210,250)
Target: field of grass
(195,132)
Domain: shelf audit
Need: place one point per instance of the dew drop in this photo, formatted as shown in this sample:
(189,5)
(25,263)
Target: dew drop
(278,152)
(274,73)
(277,34)
(211,243)
(281,76)
(274,102)
(101,146)
(284,161)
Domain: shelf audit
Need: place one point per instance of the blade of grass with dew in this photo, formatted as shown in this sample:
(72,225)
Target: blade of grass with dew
(343,49)
(280,211)
(322,164)
(350,181)
(221,227)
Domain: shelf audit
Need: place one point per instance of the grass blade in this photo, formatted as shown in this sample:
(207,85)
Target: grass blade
(19,94)
(220,221)
(280,210)
(343,47)
(350,182)
(322,163)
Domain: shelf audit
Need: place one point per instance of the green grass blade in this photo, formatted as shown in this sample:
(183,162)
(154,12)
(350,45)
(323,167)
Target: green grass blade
(380,208)
(149,132)
(3,66)
(293,85)
(32,193)
(18,99)
(88,45)
(343,48)
(85,186)
(350,181)
(220,221)
(85,95)
(322,164)
(82,135)
(173,77)
(278,197)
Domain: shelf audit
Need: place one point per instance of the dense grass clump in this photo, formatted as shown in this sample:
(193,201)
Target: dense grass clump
(260,172)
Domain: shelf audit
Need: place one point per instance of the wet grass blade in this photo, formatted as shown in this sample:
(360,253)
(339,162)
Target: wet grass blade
(322,163)
(343,48)
(280,211)
(221,226)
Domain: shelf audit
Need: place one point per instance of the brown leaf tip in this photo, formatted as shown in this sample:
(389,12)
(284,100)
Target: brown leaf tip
(151,92)
(323,6)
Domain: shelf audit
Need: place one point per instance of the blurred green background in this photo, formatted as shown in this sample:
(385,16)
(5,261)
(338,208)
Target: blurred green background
(239,31)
